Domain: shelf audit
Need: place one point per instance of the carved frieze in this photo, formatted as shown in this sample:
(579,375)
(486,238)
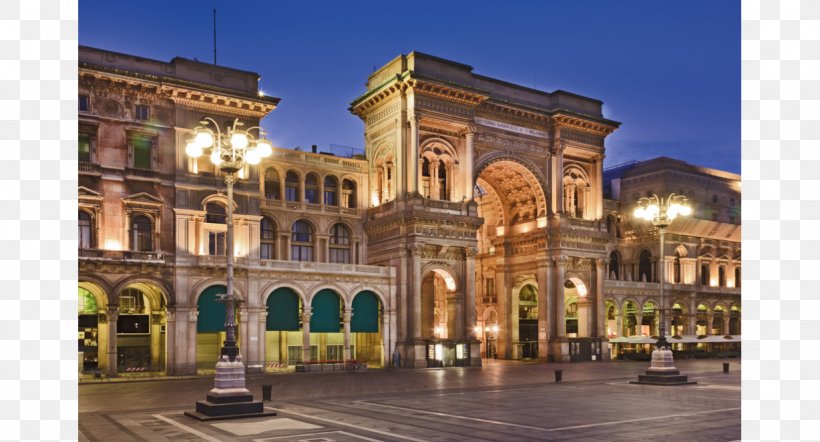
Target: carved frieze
(382,113)
(509,144)
(444,107)
(582,137)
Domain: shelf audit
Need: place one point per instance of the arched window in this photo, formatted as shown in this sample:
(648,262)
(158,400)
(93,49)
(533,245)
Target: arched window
(443,191)
(645,267)
(722,276)
(425,177)
(272,184)
(677,279)
(349,194)
(737,277)
(704,274)
(340,244)
(215,213)
(132,301)
(85,227)
(331,183)
(292,186)
(312,188)
(301,245)
(614,266)
(268,239)
(141,234)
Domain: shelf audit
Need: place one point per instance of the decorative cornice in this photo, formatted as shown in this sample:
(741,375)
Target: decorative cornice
(574,122)
(189,94)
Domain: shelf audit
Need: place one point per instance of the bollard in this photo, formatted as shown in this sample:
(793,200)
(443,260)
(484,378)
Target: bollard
(266,392)
(725,367)
(558,374)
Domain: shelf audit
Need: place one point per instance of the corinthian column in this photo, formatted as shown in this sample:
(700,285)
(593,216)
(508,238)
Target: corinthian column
(468,163)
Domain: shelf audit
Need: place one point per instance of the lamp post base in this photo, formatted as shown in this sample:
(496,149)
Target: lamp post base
(229,399)
(662,371)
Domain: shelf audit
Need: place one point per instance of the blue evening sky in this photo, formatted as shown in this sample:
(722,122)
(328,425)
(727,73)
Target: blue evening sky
(669,71)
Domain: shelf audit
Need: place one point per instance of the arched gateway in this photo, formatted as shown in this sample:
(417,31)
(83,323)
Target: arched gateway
(487,184)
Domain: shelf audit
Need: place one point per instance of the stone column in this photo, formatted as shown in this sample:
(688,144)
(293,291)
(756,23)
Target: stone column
(242,334)
(560,308)
(415,256)
(468,163)
(558,186)
(710,320)
(455,319)
(619,325)
(170,338)
(469,291)
(600,305)
(542,274)
(156,339)
(726,323)
(639,324)
(346,317)
(693,324)
(191,339)
(306,334)
(413,153)
(113,313)
(261,326)
(599,179)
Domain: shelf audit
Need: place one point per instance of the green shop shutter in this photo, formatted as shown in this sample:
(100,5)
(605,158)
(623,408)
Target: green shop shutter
(365,313)
(283,310)
(326,309)
(211,317)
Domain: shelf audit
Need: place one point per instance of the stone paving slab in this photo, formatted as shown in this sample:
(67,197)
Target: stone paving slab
(498,403)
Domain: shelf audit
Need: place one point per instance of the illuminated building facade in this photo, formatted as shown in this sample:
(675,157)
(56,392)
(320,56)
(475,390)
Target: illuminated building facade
(479,224)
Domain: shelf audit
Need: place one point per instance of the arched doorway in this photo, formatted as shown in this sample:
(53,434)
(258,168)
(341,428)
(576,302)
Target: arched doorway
(88,341)
(210,328)
(326,336)
(283,329)
(578,310)
(649,324)
(631,319)
(438,318)
(528,321)
(645,267)
(141,340)
(734,320)
(366,342)
(490,350)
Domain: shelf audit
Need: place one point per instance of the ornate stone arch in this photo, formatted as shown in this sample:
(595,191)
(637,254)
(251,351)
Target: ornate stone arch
(220,198)
(343,294)
(681,250)
(444,270)
(203,285)
(428,144)
(100,292)
(269,288)
(522,185)
(374,289)
(161,286)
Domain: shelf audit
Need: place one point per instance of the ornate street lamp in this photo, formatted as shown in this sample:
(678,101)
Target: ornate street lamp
(661,213)
(229,151)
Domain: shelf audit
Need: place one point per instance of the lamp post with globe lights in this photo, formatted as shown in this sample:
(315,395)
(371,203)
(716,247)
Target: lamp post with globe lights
(230,151)
(661,212)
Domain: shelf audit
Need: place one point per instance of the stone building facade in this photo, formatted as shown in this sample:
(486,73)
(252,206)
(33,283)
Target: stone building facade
(479,224)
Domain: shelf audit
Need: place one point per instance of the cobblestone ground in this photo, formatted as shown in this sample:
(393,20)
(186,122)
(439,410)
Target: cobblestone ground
(502,401)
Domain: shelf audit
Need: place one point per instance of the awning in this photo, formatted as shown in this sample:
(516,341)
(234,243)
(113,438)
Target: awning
(685,339)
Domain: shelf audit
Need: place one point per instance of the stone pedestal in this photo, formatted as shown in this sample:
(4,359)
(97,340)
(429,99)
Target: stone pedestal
(662,371)
(229,399)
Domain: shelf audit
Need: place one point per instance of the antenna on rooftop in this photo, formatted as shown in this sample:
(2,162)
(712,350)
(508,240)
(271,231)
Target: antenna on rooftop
(214,35)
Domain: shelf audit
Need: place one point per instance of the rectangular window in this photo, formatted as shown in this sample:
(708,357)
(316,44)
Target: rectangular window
(335,352)
(301,253)
(266,251)
(217,243)
(340,256)
(311,195)
(490,287)
(142,153)
(83,102)
(142,112)
(84,148)
(290,193)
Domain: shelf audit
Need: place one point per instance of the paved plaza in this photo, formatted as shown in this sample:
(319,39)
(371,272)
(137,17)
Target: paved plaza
(502,401)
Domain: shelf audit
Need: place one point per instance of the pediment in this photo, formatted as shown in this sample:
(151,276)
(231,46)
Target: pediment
(86,193)
(142,198)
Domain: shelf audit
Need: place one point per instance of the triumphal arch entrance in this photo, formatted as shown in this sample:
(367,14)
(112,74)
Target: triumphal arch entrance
(487,198)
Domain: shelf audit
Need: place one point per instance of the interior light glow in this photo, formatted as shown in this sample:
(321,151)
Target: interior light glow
(204,139)
(239,140)
(192,149)
(215,158)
